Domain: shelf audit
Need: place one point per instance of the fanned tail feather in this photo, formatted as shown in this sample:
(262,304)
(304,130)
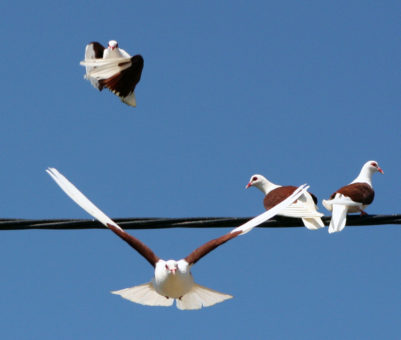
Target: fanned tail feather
(144,294)
(200,296)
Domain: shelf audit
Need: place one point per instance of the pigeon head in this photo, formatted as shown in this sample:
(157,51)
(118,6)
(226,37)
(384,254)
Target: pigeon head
(113,44)
(256,181)
(373,167)
(171,266)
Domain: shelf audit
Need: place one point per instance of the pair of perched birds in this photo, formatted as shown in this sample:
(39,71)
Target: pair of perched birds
(354,197)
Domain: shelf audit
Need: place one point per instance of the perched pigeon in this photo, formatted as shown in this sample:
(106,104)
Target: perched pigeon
(304,207)
(114,68)
(172,279)
(352,198)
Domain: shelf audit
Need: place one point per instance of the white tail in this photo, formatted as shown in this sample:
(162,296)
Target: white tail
(313,223)
(248,226)
(200,296)
(145,295)
(338,218)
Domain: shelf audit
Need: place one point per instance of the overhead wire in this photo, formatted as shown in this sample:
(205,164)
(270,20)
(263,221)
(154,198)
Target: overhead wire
(188,222)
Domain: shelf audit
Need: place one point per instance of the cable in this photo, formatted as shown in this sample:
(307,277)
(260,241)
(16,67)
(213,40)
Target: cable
(190,222)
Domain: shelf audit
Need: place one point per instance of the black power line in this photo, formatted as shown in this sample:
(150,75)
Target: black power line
(190,222)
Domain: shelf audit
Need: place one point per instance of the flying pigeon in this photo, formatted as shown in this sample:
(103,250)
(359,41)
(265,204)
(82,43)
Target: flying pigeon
(354,197)
(304,207)
(172,279)
(114,68)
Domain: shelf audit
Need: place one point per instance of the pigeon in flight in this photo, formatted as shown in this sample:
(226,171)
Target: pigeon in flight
(113,68)
(172,279)
(304,207)
(354,197)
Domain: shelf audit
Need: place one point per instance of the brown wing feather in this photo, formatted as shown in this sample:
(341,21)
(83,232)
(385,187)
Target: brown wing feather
(98,49)
(139,246)
(198,253)
(358,192)
(123,83)
(278,195)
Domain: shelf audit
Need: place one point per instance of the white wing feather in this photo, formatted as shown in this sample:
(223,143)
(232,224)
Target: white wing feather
(248,226)
(79,198)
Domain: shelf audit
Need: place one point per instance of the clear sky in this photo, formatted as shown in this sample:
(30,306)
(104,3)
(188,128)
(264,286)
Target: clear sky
(297,91)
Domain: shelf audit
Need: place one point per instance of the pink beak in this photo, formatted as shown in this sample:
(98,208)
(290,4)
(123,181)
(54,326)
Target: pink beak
(380,170)
(248,185)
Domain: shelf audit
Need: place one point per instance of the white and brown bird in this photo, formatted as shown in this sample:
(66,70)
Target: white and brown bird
(304,207)
(172,279)
(113,68)
(352,198)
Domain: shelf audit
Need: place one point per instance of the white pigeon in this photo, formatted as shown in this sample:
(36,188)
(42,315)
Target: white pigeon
(113,68)
(172,279)
(305,207)
(354,197)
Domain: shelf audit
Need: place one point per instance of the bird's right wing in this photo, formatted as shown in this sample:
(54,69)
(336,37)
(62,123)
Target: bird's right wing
(80,199)
(248,226)
(201,251)
(304,207)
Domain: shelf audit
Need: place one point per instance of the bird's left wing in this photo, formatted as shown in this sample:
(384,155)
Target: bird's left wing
(80,199)
(198,253)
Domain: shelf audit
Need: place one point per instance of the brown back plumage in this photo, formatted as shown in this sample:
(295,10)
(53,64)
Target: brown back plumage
(358,192)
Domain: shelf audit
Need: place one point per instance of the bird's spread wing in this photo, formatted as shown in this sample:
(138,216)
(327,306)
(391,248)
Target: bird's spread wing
(248,226)
(79,198)
(304,207)
(198,253)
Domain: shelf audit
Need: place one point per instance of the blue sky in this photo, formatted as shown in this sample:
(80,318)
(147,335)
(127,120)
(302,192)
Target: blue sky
(297,91)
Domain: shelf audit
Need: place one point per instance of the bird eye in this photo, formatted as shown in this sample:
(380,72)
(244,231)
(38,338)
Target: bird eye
(254,179)
(373,164)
